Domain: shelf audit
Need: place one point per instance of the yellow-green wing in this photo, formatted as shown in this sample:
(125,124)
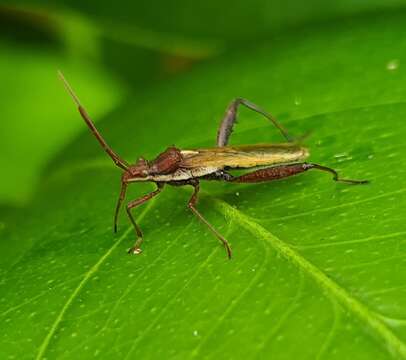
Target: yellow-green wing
(244,156)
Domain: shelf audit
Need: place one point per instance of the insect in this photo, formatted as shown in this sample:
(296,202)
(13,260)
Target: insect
(177,167)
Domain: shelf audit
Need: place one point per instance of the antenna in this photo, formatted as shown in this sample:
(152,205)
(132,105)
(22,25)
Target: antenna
(117,160)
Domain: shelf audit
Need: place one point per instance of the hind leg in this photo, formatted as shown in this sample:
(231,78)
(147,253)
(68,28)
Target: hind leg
(283,171)
(226,126)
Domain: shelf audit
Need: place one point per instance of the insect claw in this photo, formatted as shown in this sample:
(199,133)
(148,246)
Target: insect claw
(353,182)
(228,249)
(134,250)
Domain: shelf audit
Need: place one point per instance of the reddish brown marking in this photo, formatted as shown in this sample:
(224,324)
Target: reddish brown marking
(282,171)
(272,173)
(166,162)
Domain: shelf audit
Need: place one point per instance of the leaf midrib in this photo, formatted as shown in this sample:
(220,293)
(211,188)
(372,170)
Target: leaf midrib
(368,317)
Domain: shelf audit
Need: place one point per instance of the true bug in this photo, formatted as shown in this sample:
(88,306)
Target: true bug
(178,167)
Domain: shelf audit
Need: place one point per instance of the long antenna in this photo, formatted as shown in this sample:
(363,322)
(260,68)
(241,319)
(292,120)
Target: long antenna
(117,160)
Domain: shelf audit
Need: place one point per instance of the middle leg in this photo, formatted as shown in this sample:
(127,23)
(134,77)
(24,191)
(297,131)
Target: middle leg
(192,206)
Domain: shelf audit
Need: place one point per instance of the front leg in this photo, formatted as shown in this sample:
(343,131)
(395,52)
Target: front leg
(132,204)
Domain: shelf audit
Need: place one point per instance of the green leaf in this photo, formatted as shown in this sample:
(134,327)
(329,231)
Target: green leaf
(227,22)
(35,123)
(199,29)
(318,268)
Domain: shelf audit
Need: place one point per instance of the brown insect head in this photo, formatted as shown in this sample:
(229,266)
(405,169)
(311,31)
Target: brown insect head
(139,170)
(165,163)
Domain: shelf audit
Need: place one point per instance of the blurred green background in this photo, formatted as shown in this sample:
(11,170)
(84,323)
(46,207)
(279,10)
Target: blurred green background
(318,269)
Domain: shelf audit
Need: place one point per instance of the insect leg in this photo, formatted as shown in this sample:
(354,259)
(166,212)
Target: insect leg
(119,202)
(192,205)
(230,117)
(132,204)
(336,177)
(283,171)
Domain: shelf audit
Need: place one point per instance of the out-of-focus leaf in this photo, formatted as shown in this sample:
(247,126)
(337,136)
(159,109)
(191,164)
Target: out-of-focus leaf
(35,119)
(318,268)
(140,67)
(200,27)
(35,42)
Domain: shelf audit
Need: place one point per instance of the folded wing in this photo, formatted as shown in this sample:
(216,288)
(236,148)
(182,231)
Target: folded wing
(245,156)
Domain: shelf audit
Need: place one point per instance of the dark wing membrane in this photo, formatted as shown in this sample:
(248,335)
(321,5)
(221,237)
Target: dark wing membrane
(244,156)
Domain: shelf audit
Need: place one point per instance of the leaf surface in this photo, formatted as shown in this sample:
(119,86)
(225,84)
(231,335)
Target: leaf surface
(318,268)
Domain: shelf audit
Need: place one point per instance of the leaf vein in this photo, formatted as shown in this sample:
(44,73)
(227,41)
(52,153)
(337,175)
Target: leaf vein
(54,327)
(169,303)
(368,317)
(351,203)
